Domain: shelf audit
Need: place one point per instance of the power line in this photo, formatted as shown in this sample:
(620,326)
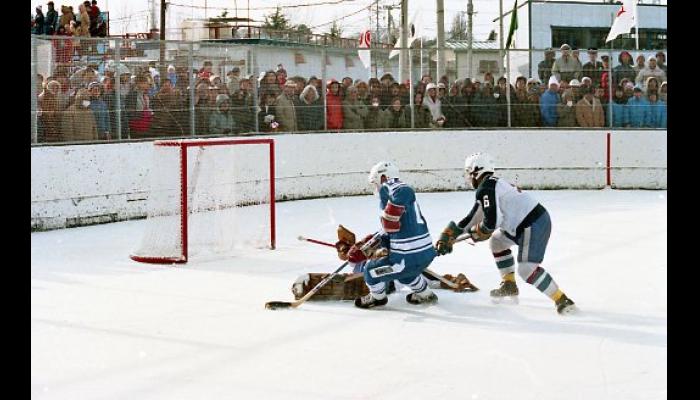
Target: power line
(345,16)
(322,3)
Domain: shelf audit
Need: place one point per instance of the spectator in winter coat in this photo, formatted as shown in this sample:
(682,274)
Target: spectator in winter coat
(651,71)
(657,111)
(354,111)
(396,116)
(640,65)
(100,111)
(662,91)
(310,110)
(51,20)
(638,111)
(334,106)
(66,17)
(593,68)
(242,107)
(266,115)
(421,114)
(566,111)
(544,68)
(84,27)
(221,121)
(625,69)
(234,77)
(433,103)
(286,113)
(486,111)
(548,104)
(206,71)
(39,22)
(651,85)
(168,119)
(374,119)
(619,109)
(50,116)
(526,109)
(363,92)
(589,111)
(660,59)
(78,122)
(566,67)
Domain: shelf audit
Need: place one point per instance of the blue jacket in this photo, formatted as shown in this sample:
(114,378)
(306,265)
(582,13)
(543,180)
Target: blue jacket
(658,114)
(548,108)
(99,110)
(638,112)
(620,115)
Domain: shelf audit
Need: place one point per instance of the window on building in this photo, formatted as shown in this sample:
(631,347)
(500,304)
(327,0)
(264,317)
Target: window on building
(487,66)
(583,38)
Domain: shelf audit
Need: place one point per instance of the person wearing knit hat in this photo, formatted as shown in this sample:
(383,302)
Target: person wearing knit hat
(638,110)
(221,120)
(548,103)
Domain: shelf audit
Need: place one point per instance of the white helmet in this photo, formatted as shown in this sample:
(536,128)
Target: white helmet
(386,168)
(477,164)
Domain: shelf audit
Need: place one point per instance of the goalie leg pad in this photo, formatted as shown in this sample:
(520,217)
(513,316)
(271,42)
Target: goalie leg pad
(341,287)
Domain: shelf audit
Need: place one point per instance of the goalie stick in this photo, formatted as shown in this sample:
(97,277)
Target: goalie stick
(274,305)
(452,285)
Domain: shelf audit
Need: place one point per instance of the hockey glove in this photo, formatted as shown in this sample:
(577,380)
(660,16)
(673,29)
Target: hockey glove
(355,255)
(477,235)
(447,238)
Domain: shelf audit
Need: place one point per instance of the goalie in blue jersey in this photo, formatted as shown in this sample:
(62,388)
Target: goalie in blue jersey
(404,233)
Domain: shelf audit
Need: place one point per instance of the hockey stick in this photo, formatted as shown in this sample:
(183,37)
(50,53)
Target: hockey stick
(274,305)
(452,285)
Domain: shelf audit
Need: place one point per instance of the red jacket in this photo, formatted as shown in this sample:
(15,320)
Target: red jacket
(334,111)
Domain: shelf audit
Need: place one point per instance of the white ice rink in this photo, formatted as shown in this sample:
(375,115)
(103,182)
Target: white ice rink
(105,327)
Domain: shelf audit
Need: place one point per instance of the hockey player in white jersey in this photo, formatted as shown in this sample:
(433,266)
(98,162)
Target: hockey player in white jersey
(510,217)
(404,233)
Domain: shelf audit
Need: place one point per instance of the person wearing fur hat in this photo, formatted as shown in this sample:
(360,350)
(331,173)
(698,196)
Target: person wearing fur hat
(433,103)
(650,71)
(625,69)
(310,110)
(221,120)
(286,112)
(78,122)
(548,103)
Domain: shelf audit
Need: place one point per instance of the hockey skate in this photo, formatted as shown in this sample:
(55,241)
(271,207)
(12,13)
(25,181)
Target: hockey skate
(422,298)
(369,301)
(507,290)
(565,305)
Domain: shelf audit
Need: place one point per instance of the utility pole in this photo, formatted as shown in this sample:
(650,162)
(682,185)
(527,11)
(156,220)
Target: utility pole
(440,39)
(376,42)
(404,72)
(500,36)
(163,68)
(470,12)
(153,15)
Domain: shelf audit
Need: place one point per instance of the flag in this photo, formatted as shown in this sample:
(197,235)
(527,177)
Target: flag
(625,19)
(513,24)
(365,43)
(413,32)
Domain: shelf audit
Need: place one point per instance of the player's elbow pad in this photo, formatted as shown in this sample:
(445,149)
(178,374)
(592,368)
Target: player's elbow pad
(391,217)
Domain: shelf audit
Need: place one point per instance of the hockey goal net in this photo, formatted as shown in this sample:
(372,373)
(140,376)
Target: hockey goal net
(208,196)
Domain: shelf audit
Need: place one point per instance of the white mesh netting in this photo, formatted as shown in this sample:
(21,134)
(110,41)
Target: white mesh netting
(228,199)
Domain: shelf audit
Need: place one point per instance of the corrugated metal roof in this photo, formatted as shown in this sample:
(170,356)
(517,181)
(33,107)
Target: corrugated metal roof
(460,45)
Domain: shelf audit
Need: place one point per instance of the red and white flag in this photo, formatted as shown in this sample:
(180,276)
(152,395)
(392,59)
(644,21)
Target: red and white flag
(365,43)
(625,19)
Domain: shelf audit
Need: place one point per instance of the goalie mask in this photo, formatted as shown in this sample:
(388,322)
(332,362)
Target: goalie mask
(476,166)
(385,168)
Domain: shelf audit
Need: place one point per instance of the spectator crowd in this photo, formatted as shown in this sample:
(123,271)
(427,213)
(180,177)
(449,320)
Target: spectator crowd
(88,21)
(567,93)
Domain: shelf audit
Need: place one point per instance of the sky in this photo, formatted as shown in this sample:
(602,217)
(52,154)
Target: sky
(134,15)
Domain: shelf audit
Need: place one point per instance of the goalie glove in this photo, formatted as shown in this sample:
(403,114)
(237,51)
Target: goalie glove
(363,249)
(345,241)
(447,238)
(477,235)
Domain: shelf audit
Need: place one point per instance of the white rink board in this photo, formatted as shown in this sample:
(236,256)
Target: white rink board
(85,184)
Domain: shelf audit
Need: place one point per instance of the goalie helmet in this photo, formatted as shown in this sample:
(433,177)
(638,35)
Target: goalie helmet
(386,168)
(477,164)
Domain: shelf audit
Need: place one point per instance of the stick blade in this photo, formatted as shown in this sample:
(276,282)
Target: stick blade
(275,305)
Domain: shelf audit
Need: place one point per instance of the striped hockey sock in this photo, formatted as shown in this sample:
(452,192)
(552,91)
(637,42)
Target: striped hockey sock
(418,285)
(505,263)
(542,280)
(378,290)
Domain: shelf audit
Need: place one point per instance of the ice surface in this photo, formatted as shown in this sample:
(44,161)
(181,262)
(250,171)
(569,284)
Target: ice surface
(105,327)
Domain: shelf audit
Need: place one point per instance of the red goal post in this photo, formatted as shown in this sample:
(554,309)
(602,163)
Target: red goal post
(182,241)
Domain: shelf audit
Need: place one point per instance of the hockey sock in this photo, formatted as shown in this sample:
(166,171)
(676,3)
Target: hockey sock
(419,285)
(505,262)
(539,278)
(377,290)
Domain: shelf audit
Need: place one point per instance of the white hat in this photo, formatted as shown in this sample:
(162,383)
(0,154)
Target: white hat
(553,80)
(431,85)
(575,83)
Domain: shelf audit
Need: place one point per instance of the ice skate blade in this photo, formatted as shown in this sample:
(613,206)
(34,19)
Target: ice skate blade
(570,310)
(505,300)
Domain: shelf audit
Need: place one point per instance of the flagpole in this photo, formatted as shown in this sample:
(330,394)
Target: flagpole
(636,25)
(421,57)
